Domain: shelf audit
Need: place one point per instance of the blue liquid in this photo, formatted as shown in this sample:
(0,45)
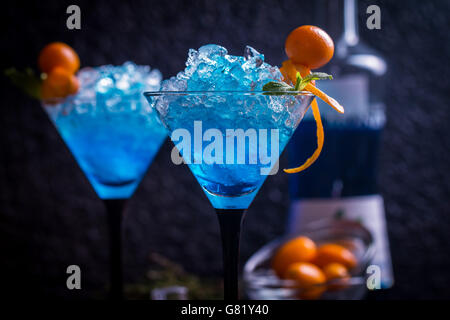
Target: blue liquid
(114,149)
(232,185)
(347,165)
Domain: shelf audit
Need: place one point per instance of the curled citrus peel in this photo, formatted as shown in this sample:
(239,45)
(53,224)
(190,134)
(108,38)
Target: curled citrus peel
(316,114)
(292,73)
(320,140)
(323,96)
(289,71)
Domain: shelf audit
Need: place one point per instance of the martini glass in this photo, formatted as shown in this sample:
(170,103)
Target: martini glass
(114,144)
(232,174)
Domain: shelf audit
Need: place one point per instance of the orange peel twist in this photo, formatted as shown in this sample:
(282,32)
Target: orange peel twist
(320,140)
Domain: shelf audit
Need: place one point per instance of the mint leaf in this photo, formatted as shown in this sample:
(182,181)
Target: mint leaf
(282,88)
(26,80)
(276,86)
(317,76)
(298,81)
(313,76)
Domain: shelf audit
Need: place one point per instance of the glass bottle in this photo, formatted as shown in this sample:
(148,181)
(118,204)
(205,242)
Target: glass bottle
(343,181)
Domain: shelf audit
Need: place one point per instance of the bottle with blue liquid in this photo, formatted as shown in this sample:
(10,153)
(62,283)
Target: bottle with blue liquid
(342,183)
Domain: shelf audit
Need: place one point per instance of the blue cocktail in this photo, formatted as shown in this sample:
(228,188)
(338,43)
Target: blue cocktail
(114,136)
(229,132)
(113,148)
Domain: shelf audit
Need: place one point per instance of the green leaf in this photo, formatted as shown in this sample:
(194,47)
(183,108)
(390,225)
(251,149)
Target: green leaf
(276,86)
(298,81)
(313,76)
(26,80)
(317,76)
(282,88)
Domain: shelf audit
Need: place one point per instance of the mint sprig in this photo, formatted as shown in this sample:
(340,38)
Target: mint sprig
(278,88)
(25,80)
(282,88)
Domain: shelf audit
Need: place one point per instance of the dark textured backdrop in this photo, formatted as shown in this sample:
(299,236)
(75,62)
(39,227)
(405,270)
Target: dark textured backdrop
(50,217)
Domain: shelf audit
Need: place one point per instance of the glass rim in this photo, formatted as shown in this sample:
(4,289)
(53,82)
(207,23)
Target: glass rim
(225,92)
(74,98)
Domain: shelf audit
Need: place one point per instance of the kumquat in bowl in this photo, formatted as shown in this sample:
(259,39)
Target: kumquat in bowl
(327,260)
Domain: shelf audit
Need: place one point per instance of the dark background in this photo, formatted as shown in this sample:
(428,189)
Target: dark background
(50,217)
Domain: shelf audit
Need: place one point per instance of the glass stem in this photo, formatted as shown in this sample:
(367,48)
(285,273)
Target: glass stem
(115,209)
(230,221)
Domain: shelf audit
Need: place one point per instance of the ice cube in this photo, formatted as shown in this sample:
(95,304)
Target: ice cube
(153,80)
(212,68)
(129,67)
(204,70)
(123,82)
(211,50)
(253,59)
(173,84)
(192,57)
(88,77)
(104,85)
